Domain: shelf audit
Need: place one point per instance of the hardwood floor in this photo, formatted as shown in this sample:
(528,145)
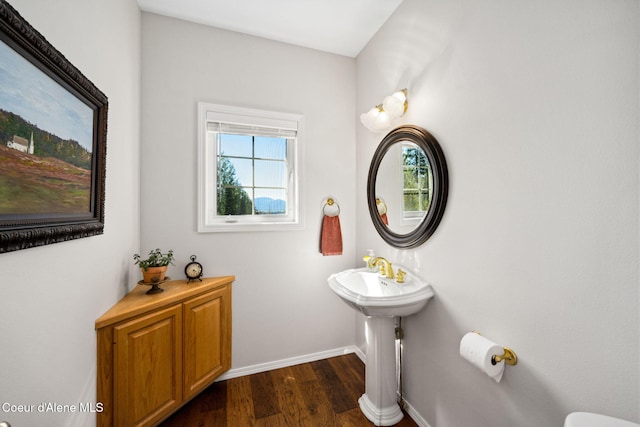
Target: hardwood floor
(318,394)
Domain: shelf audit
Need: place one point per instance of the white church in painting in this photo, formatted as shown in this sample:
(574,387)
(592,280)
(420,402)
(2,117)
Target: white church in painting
(21,144)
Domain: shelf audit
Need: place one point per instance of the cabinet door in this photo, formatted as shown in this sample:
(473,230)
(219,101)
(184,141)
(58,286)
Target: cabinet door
(207,339)
(148,367)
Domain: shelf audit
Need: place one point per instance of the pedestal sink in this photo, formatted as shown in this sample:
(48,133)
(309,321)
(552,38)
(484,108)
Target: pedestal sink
(380,299)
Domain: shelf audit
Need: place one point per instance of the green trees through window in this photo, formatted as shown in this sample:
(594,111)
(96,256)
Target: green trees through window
(418,180)
(232,199)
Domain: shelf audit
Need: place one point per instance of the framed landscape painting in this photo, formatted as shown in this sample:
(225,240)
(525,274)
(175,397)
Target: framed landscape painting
(53,130)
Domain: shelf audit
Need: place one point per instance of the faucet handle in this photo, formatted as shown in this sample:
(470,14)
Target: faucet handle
(368,260)
(400,276)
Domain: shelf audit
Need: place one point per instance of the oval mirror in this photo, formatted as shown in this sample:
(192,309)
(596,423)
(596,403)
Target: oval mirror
(407,186)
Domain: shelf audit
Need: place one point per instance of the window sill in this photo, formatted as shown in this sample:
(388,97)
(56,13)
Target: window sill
(230,227)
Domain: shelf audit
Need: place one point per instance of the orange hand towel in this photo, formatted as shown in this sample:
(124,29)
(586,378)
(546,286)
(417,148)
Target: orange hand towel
(384,218)
(331,236)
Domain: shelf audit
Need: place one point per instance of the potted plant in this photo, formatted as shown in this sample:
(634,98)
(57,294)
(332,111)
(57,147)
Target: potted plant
(154,267)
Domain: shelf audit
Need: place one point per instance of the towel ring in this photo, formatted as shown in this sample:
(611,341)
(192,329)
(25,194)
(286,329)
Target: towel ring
(381,205)
(330,202)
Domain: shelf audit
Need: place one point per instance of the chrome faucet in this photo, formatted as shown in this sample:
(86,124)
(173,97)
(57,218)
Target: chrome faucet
(386,269)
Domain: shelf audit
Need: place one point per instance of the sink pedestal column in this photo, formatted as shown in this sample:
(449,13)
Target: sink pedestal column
(378,403)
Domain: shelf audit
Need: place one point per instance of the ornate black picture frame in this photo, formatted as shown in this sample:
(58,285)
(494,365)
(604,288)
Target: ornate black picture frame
(53,140)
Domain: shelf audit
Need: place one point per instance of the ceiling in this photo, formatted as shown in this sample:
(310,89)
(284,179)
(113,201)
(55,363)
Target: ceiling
(343,27)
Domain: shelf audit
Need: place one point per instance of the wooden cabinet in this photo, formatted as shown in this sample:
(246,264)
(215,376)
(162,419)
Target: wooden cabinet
(207,350)
(147,364)
(155,352)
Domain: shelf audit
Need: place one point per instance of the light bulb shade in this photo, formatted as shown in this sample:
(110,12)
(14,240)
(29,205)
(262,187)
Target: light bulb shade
(383,122)
(380,118)
(396,104)
(376,119)
(368,119)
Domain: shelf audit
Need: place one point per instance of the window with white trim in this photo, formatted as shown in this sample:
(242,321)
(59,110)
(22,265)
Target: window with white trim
(417,180)
(249,169)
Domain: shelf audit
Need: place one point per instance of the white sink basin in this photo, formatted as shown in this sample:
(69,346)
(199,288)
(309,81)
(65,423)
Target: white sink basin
(375,295)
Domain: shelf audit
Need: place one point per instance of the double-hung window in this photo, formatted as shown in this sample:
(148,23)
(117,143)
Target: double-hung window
(249,169)
(417,179)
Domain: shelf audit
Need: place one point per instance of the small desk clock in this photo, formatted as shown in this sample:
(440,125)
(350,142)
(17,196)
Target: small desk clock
(193,270)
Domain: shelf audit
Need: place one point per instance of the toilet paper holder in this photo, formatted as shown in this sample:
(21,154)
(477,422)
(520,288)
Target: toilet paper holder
(509,356)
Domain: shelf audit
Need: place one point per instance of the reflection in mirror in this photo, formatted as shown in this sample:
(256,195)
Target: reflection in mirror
(417,181)
(382,210)
(407,186)
(404,187)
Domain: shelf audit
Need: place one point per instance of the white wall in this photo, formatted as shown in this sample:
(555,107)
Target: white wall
(536,107)
(50,296)
(282,306)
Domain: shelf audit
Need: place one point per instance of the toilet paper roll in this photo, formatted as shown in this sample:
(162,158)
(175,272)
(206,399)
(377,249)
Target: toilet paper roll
(478,350)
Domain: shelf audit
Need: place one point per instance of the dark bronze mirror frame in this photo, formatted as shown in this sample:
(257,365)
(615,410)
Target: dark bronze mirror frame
(42,225)
(430,222)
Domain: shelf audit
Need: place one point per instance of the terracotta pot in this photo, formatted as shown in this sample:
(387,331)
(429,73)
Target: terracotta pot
(153,274)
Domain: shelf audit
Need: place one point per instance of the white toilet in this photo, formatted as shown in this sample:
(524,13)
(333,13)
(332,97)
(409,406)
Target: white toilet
(587,419)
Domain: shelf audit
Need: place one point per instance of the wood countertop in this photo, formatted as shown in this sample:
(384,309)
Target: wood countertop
(138,302)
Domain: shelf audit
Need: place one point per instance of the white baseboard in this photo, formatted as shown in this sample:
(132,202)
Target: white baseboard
(415,416)
(360,354)
(283,363)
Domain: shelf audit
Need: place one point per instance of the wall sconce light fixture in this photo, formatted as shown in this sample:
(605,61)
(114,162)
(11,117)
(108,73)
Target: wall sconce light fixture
(380,118)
